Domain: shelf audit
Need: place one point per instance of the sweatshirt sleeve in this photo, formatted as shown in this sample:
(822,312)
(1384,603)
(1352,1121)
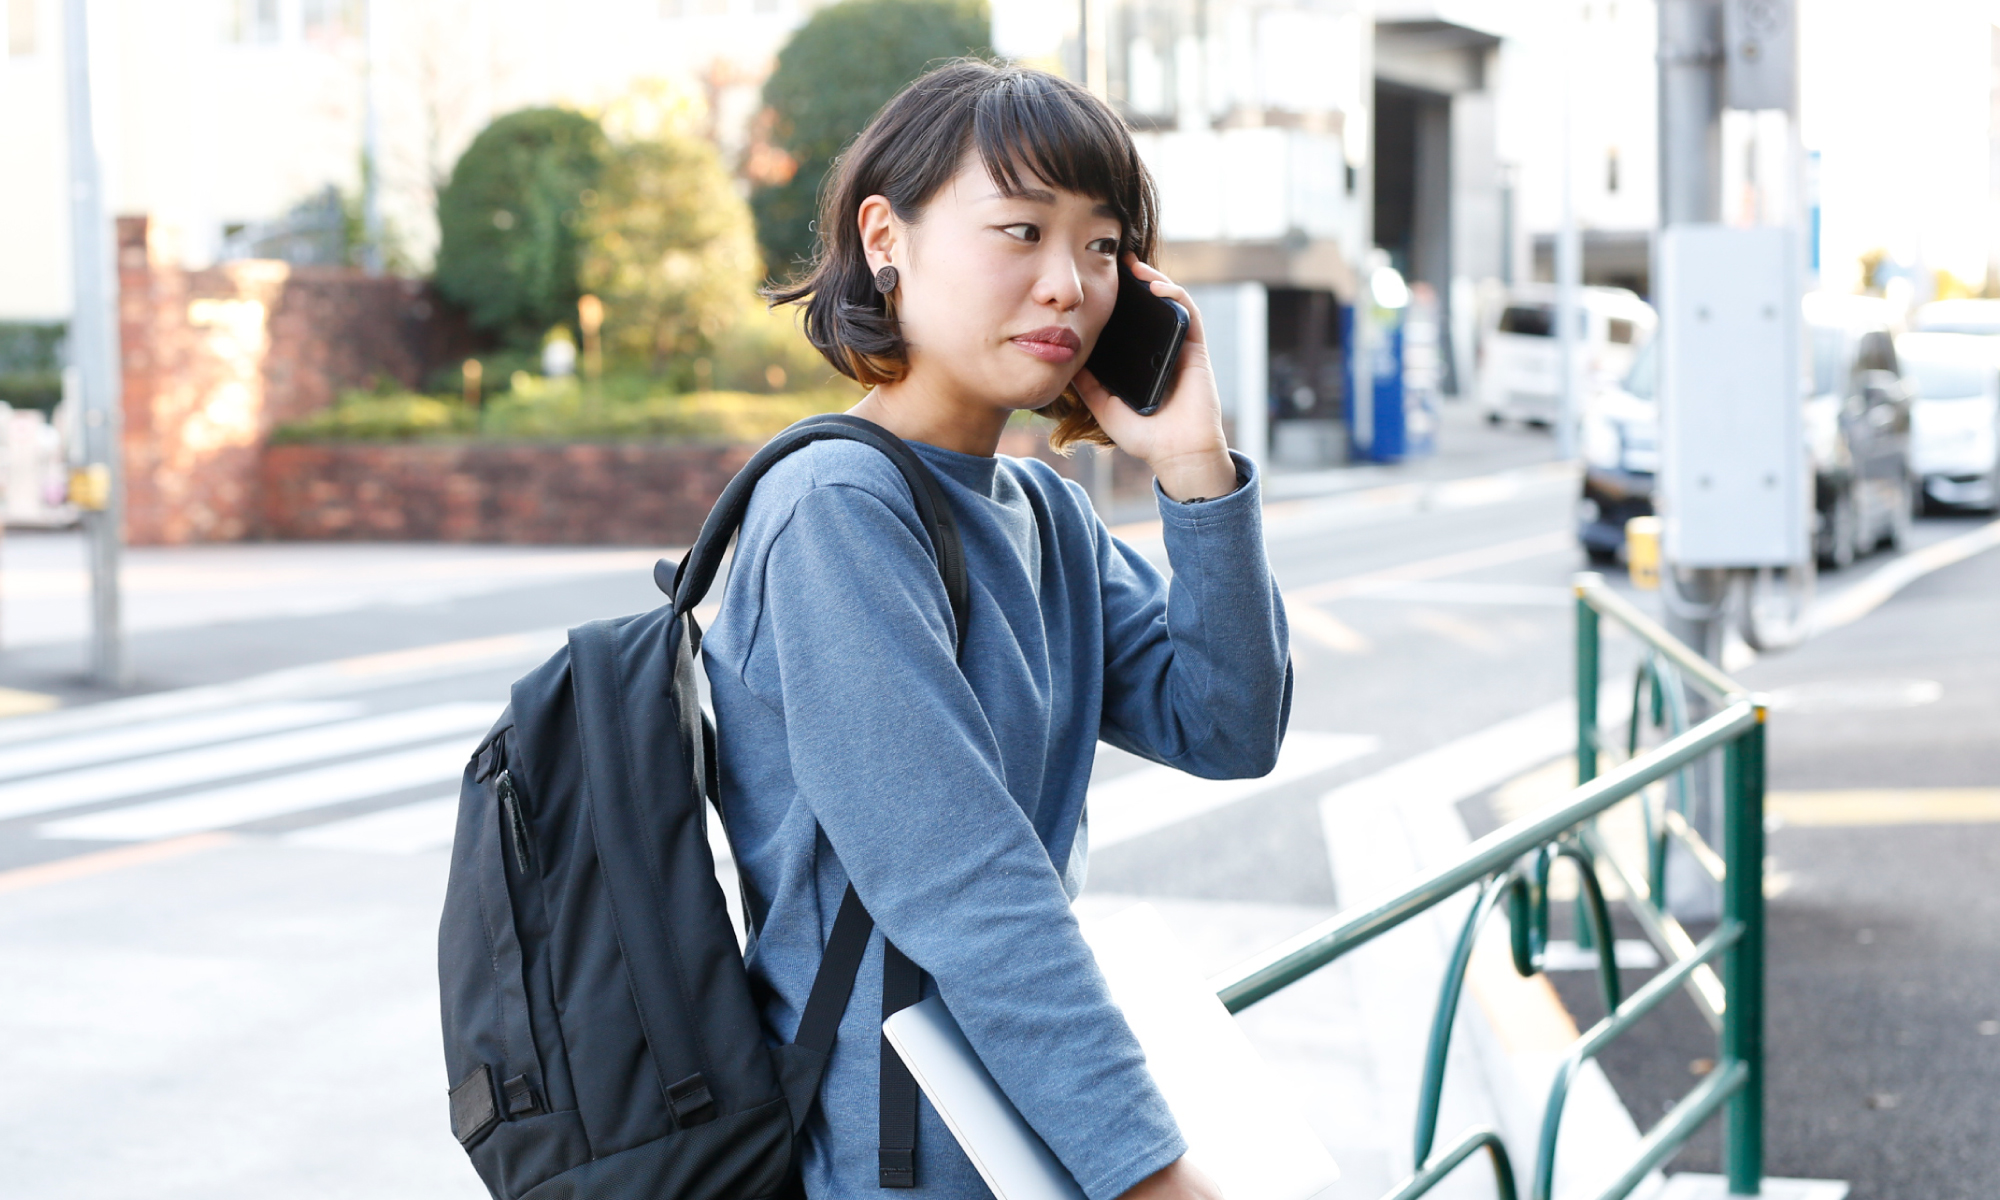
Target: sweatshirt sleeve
(1197,669)
(891,752)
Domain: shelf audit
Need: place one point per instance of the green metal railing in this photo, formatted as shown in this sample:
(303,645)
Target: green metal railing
(1511,865)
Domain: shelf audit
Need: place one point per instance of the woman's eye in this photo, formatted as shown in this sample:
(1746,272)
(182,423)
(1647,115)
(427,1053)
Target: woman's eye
(1108,245)
(1023,231)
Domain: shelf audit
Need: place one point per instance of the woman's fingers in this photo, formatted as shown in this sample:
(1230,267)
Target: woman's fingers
(1109,410)
(1167,288)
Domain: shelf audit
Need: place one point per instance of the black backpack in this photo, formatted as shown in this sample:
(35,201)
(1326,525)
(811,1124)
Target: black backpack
(600,1034)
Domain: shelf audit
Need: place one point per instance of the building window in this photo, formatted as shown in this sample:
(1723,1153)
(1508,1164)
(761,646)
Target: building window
(20,28)
(330,20)
(250,22)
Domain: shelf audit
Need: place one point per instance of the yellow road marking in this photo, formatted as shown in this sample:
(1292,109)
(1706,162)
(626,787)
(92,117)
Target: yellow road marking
(84,865)
(1526,1013)
(1886,806)
(1327,630)
(15,703)
(438,654)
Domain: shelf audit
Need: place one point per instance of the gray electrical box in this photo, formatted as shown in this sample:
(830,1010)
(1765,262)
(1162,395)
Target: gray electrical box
(1760,54)
(1732,483)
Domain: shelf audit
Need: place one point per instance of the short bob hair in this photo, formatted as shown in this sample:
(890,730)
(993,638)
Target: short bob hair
(1022,122)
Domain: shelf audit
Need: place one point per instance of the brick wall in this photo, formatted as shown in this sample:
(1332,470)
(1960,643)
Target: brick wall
(579,493)
(213,359)
(631,493)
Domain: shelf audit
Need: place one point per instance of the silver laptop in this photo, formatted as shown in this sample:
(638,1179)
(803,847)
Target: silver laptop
(1243,1126)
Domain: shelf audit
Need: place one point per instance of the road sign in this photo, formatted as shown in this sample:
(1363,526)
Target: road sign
(1732,492)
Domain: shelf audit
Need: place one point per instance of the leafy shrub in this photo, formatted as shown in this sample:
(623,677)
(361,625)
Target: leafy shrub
(668,245)
(508,221)
(31,360)
(381,417)
(834,74)
(545,410)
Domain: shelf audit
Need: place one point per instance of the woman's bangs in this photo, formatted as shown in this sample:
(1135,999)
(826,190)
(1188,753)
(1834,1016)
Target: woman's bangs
(1026,130)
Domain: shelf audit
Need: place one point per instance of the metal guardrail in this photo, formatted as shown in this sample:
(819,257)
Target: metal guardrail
(1512,865)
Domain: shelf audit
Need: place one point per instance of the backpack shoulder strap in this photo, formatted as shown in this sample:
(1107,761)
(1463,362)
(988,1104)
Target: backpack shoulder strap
(902,981)
(691,579)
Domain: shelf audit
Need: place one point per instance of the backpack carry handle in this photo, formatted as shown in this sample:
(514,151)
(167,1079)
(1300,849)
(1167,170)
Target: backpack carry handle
(696,572)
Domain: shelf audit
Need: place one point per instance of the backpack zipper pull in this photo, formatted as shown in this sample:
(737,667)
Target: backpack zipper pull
(517,821)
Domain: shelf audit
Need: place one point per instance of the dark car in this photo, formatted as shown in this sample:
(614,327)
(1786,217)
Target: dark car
(1857,432)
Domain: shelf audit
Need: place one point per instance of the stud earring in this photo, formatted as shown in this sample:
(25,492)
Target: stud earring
(885,280)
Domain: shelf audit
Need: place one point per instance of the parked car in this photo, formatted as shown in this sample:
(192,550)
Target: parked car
(1857,432)
(1520,368)
(1955,419)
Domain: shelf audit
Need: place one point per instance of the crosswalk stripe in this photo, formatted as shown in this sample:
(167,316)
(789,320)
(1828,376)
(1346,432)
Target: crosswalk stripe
(1154,797)
(90,749)
(406,829)
(210,764)
(297,792)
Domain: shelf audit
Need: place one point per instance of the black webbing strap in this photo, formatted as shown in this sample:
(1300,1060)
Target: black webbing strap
(838,965)
(902,986)
(902,982)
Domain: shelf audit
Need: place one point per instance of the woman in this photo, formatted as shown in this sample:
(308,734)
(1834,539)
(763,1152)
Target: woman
(971,240)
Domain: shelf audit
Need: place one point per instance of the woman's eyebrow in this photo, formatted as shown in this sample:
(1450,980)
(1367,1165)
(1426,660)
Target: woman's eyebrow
(1044,196)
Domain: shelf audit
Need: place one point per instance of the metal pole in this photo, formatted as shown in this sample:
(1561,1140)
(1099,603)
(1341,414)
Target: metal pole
(93,348)
(1690,69)
(1100,481)
(1743,963)
(1569,268)
(1588,677)
(1690,81)
(371,149)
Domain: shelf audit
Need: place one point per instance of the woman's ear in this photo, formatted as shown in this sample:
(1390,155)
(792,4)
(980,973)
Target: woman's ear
(878,226)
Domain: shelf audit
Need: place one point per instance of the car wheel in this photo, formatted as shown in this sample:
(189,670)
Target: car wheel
(1494,418)
(1842,531)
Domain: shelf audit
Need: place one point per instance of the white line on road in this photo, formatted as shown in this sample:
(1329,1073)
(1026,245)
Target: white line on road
(155,736)
(226,807)
(1853,603)
(1371,582)
(1530,595)
(405,829)
(209,764)
(1154,797)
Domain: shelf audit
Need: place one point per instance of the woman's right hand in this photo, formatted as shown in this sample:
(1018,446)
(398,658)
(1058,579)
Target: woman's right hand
(1178,1180)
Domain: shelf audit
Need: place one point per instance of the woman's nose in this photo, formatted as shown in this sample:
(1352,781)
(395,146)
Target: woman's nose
(1060,286)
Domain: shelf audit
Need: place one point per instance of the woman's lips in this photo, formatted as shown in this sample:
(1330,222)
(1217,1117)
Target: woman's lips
(1051,343)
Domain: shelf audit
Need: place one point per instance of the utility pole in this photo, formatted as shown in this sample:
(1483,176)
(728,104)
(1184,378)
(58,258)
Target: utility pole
(97,486)
(371,144)
(1690,71)
(1690,136)
(1568,264)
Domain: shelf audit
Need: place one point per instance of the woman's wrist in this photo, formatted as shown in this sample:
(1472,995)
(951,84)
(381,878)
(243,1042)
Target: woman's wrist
(1196,475)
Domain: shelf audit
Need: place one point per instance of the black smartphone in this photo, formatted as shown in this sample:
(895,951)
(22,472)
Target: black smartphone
(1135,355)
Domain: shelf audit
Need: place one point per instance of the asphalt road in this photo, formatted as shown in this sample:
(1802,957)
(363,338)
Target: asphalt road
(228,966)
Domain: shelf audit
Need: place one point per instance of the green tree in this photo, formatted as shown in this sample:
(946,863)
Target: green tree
(669,248)
(837,71)
(509,243)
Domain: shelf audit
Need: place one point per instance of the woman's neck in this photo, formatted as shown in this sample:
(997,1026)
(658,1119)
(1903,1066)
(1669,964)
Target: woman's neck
(917,413)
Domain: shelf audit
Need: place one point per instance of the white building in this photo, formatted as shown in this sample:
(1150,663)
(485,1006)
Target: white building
(1290,137)
(217,116)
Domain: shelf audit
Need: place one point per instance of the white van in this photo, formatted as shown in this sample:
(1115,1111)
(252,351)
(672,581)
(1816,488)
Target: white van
(1520,364)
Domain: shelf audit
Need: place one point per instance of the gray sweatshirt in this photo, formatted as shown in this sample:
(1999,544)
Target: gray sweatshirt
(951,792)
